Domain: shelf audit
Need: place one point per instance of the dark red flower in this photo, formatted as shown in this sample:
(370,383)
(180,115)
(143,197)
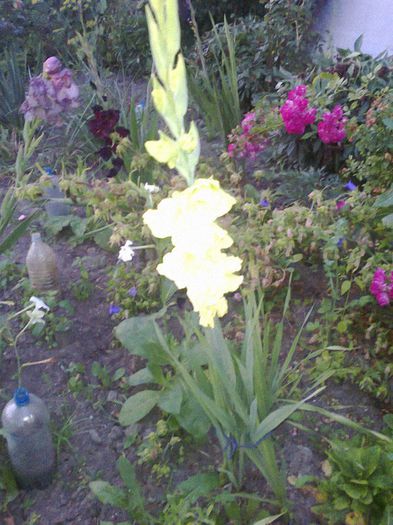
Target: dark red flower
(105,152)
(112,173)
(123,132)
(103,122)
(117,162)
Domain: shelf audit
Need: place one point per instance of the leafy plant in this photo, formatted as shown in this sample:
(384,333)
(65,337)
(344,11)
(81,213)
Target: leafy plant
(385,202)
(7,212)
(217,95)
(13,79)
(359,486)
(129,498)
(82,288)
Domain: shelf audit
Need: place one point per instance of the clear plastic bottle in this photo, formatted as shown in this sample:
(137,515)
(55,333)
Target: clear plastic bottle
(41,264)
(25,421)
(55,207)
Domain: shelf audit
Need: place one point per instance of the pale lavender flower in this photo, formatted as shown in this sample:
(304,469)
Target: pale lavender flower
(51,94)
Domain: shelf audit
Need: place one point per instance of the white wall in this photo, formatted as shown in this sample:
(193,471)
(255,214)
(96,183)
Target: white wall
(347,19)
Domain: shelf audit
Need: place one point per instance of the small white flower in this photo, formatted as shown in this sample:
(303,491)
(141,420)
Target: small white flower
(40,308)
(126,253)
(151,188)
(39,303)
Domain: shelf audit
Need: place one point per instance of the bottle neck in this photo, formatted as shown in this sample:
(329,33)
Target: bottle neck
(36,237)
(21,397)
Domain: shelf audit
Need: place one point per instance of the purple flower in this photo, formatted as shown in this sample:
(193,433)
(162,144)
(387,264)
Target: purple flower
(264,203)
(52,65)
(50,94)
(132,292)
(350,186)
(340,205)
(340,243)
(114,309)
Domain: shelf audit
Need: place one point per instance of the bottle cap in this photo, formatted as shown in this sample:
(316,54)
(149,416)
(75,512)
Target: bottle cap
(36,236)
(48,170)
(21,397)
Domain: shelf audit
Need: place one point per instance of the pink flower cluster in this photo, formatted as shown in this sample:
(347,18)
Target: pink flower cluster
(244,141)
(331,129)
(382,287)
(51,94)
(296,112)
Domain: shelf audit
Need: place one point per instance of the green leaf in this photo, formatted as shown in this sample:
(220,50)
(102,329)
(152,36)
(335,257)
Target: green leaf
(388,122)
(56,224)
(16,233)
(388,220)
(78,226)
(138,406)
(193,418)
(120,372)
(108,494)
(138,335)
(268,520)
(102,239)
(385,200)
(342,326)
(199,485)
(275,418)
(345,287)
(141,377)
(171,398)
(355,491)
(128,475)
(358,44)
(296,257)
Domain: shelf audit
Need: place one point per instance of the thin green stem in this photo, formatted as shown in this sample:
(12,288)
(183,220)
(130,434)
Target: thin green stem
(17,355)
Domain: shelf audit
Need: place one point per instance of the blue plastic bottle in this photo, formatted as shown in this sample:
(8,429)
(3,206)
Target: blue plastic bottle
(25,420)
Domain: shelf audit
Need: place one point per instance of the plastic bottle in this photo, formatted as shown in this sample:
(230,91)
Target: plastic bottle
(55,207)
(41,264)
(25,422)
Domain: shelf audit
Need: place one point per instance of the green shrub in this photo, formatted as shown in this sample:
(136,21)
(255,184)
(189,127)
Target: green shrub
(374,143)
(125,41)
(281,39)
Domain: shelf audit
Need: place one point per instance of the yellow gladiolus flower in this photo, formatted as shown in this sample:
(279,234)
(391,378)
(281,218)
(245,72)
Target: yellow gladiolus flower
(203,202)
(197,262)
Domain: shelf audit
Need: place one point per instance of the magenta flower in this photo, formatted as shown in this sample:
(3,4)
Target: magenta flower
(340,205)
(382,287)
(248,122)
(331,130)
(245,143)
(296,113)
